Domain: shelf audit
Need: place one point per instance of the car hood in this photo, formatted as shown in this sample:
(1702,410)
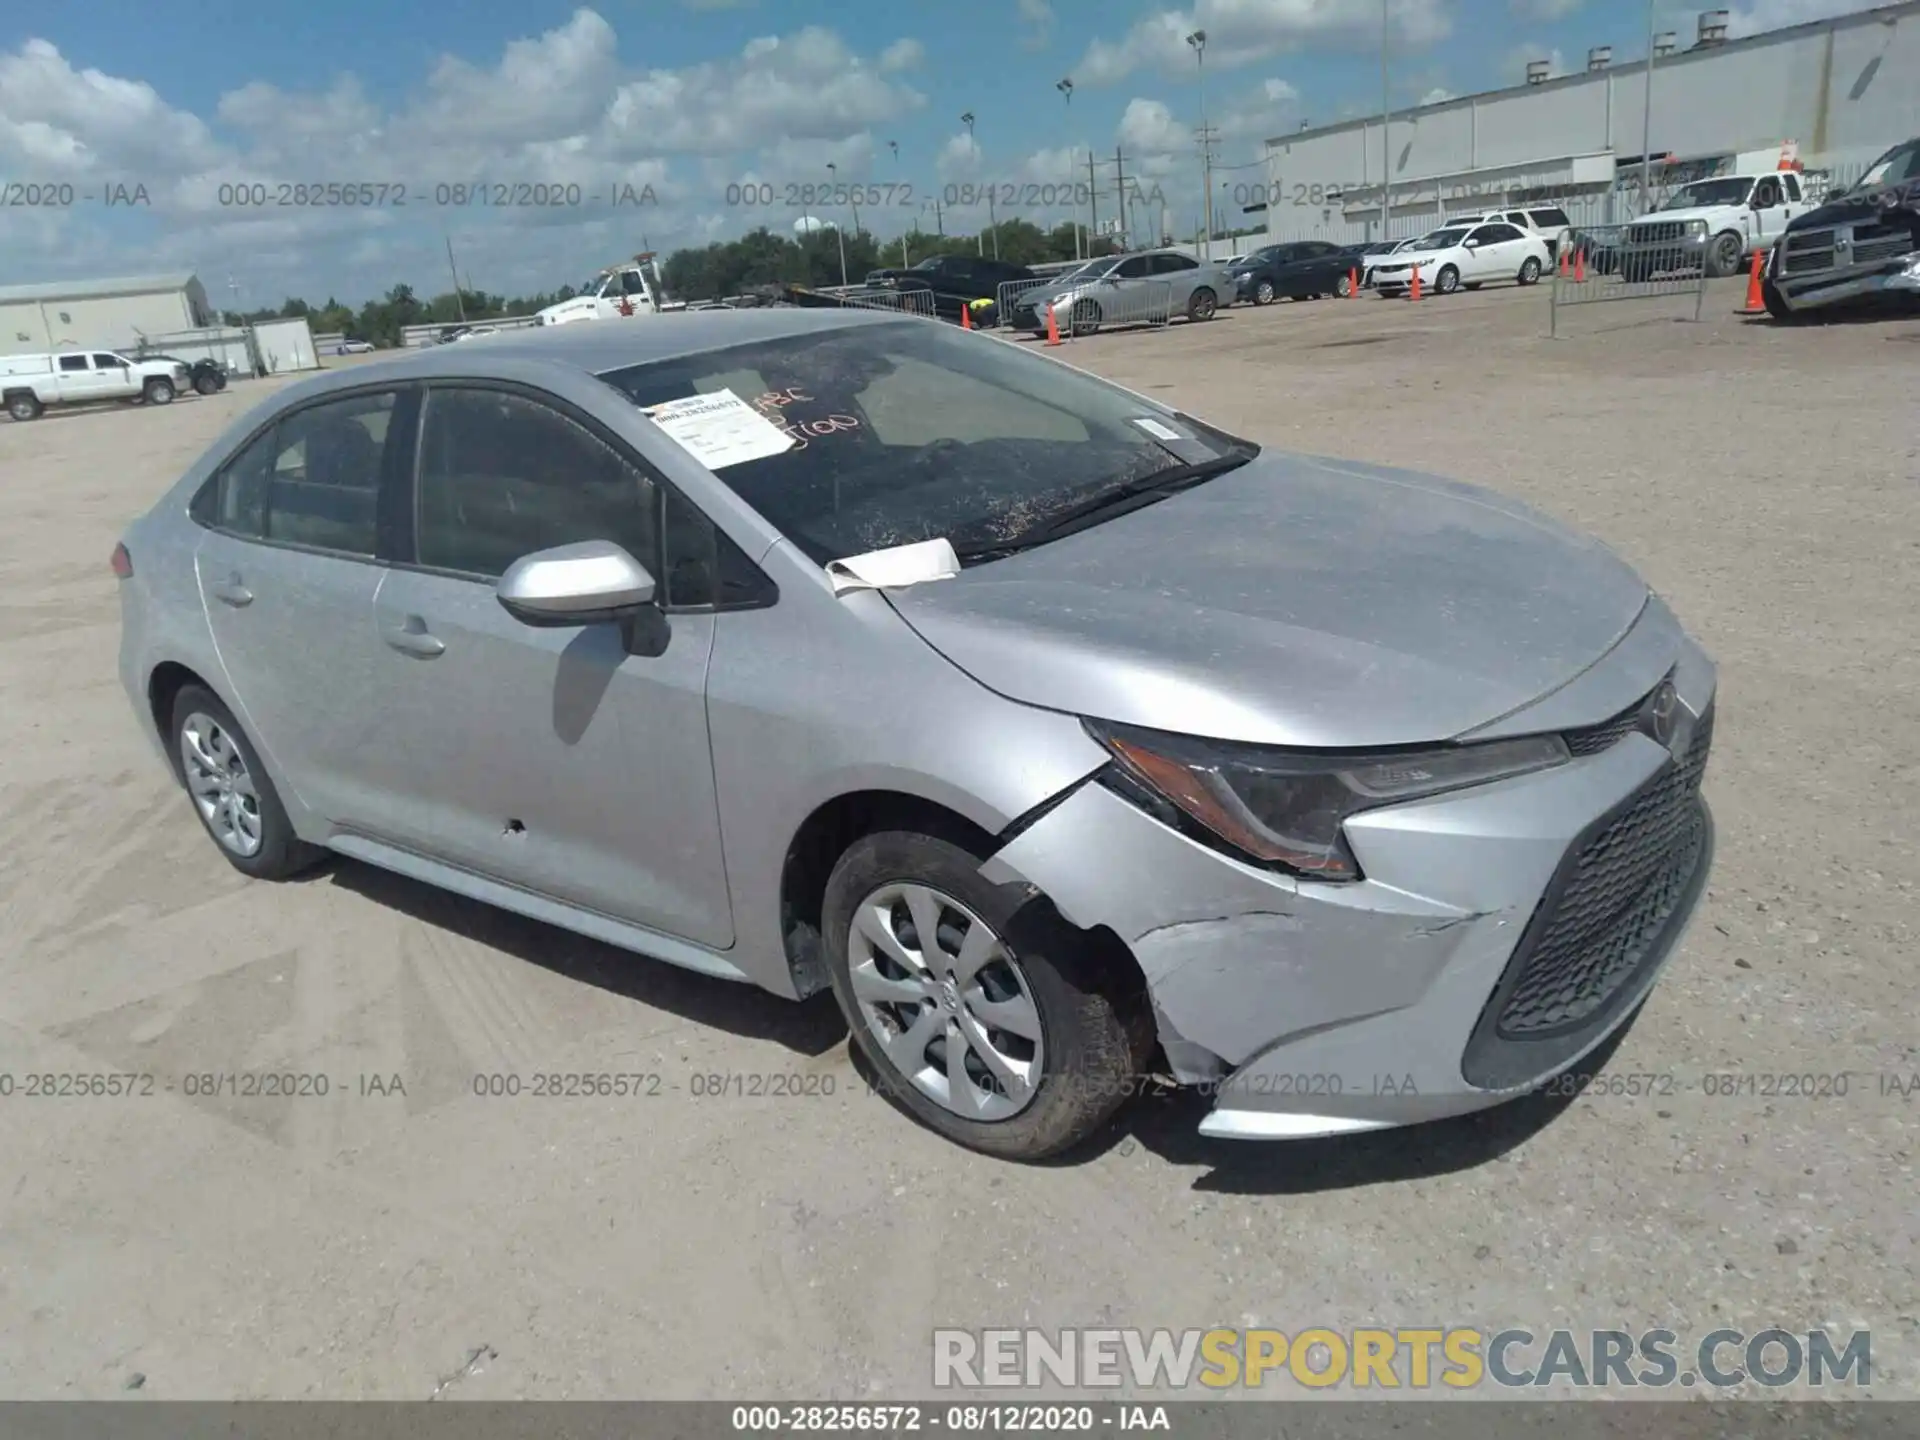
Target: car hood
(1691,212)
(1293,601)
(1869,206)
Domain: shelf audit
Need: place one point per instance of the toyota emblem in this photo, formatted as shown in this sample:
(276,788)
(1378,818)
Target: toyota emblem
(1662,712)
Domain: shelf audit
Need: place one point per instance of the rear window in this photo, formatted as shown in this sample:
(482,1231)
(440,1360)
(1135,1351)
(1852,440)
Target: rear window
(1551,217)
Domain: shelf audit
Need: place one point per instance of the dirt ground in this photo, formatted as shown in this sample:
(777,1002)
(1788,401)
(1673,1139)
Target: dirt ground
(372,1243)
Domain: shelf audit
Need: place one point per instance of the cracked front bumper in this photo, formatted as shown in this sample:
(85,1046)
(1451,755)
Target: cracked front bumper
(1310,1008)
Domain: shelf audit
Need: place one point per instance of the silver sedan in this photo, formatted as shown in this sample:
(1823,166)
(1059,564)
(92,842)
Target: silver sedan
(1074,744)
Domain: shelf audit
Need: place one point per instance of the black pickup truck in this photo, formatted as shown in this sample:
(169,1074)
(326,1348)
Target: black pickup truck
(1863,244)
(955,281)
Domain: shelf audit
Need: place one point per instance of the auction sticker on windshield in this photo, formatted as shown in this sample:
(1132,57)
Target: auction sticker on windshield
(720,429)
(1157,430)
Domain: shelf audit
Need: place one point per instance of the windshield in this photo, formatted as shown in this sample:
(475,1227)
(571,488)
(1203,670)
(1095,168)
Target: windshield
(909,431)
(932,262)
(1439,240)
(1710,192)
(1899,164)
(1094,268)
(592,287)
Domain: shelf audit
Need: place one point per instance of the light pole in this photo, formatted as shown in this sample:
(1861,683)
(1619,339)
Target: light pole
(993,222)
(834,170)
(1646,124)
(1386,120)
(1198,40)
(1065,86)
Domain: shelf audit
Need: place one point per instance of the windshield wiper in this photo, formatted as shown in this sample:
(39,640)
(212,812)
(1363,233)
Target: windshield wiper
(1115,500)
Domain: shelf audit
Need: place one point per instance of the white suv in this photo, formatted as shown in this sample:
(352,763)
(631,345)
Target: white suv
(30,383)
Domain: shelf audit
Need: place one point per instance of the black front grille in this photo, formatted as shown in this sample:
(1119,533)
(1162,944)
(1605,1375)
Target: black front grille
(1608,733)
(1656,231)
(1608,908)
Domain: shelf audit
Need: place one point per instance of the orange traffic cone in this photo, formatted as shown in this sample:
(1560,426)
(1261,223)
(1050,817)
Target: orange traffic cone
(1414,292)
(1053,326)
(1756,298)
(966,317)
(1353,283)
(1580,266)
(1563,264)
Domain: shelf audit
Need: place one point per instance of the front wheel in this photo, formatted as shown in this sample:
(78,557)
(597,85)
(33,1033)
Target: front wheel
(1344,287)
(1202,304)
(1086,317)
(994,1026)
(157,391)
(1447,281)
(1529,271)
(1725,254)
(1776,304)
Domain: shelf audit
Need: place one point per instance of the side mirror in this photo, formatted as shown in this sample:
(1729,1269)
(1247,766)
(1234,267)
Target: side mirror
(585,584)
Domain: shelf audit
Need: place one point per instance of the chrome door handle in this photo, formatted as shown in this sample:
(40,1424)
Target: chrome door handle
(232,592)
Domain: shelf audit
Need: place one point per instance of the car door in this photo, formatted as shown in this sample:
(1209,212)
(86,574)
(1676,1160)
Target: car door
(289,561)
(1325,264)
(1182,275)
(113,375)
(1495,245)
(556,760)
(76,379)
(1768,205)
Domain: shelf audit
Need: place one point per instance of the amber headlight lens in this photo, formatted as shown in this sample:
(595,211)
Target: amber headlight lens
(1287,808)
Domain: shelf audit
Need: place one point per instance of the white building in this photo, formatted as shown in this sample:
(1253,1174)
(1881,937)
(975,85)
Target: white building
(1841,90)
(110,314)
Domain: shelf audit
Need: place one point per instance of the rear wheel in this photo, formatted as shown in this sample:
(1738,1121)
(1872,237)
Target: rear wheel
(1202,304)
(1529,271)
(25,406)
(1344,287)
(231,793)
(993,1026)
(206,385)
(157,391)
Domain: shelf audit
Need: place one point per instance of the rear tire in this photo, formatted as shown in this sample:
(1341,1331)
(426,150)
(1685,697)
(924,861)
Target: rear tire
(206,385)
(1529,271)
(157,391)
(231,791)
(1344,290)
(25,406)
(1202,304)
(1095,1030)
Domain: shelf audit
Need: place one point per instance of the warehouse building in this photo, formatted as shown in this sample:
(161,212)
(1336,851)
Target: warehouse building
(1837,92)
(110,314)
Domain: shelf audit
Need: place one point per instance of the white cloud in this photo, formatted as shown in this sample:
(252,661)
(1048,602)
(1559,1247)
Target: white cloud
(1545,9)
(1147,128)
(1777,14)
(1037,17)
(557,109)
(1434,97)
(1243,32)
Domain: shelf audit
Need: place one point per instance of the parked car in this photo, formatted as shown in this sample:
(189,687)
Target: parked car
(30,383)
(1300,269)
(206,376)
(955,281)
(1464,257)
(1863,244)
(450,333)
(1126,290)
(354,347)
(1376,251)
(1159,753)
(1549,222)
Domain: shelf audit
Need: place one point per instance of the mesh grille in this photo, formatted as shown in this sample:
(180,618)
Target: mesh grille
(1620,892)
(1595,738)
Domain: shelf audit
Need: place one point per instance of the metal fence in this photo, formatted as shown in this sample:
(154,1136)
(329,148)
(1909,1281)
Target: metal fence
(1007,300)
(1607,264)
(905,302)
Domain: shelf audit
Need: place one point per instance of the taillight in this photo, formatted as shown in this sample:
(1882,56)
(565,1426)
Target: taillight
(122,563)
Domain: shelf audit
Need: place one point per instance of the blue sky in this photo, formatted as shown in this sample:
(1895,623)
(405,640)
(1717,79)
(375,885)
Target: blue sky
(669,107)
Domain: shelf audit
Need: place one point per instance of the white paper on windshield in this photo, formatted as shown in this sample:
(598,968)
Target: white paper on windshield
(720,429)
(901,565)
(1157,430)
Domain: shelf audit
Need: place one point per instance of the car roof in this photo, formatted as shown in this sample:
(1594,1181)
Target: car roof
(598,346)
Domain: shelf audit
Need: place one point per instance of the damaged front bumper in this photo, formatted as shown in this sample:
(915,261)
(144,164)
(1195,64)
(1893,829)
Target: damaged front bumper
(1311,1008)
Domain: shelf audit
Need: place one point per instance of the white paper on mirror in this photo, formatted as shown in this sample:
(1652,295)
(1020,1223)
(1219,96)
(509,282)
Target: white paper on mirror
(720,429)
(901,565)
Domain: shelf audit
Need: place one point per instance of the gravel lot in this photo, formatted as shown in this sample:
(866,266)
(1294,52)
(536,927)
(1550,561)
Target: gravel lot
(399,1245)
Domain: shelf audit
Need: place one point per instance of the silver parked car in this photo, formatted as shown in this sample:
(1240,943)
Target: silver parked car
(1144,288)
(1068,739)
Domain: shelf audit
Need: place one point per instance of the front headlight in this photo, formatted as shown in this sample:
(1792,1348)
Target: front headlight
(1287,809)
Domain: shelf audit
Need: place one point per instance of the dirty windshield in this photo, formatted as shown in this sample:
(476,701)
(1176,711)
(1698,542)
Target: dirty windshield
(1710,192)
(914,430)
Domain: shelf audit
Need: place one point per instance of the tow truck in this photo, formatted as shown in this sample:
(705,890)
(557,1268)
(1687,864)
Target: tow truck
(620,291)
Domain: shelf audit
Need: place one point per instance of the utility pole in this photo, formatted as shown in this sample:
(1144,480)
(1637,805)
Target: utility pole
(894,146)
(1198,40)
(834,170)
(1120,193)
(459,304)
(1386,121)
(1093,200)
(1646,124)
(1065,87)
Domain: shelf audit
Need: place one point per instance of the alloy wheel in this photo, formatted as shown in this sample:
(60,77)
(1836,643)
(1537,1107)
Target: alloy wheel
(943,996)
(221,785)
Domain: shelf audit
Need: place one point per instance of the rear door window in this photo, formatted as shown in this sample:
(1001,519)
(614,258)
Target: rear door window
(312,479)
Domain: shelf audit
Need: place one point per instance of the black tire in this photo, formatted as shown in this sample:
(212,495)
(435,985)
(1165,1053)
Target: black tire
(1096,1026)
(25,406)
(1202,304)
(1777,305)
(1086,318)
(206,385)
(281,853)
(157,391)
(1447,281)
(1344,288)
(1529,271)
(1724,254)
(1263,293)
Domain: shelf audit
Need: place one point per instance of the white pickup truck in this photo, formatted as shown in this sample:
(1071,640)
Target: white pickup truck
(30,383)
(1738,215)
(627,289)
